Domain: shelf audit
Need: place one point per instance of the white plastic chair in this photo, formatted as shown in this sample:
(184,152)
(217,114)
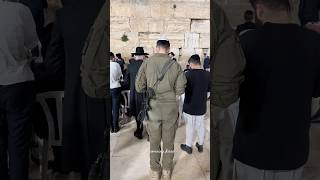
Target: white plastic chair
(51,141)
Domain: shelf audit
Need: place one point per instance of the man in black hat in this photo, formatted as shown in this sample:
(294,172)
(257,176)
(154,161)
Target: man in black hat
(136,98)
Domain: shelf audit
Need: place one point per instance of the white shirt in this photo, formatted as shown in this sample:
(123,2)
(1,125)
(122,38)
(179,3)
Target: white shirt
(115,75)
(17,36)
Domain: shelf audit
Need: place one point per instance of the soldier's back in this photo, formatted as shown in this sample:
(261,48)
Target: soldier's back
(165,90)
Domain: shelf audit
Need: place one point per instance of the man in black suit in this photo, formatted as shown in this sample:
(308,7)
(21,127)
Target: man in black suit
(136,99)
(84,118)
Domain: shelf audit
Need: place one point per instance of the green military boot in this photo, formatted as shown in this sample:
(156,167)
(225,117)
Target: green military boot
(155,175)
(166,175)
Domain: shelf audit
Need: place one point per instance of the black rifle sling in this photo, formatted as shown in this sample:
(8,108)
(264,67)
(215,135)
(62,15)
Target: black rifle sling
(164,71)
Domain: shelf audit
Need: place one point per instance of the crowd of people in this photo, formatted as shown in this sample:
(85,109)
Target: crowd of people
(40,51)
(266,78)
(160,80)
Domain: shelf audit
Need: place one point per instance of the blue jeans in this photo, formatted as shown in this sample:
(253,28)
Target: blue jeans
(115,101)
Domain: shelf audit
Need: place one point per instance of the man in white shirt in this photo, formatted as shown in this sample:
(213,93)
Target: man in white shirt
(115,91)
(17,41)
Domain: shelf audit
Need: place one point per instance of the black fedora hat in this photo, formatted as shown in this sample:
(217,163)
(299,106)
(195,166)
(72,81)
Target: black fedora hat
(139,51)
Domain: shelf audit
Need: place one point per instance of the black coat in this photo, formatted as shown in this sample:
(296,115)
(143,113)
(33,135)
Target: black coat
(309,11)
(245,27)
(136,98)
(84,118)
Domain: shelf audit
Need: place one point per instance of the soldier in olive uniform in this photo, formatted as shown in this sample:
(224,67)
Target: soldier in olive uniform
(226,79)
(163,116)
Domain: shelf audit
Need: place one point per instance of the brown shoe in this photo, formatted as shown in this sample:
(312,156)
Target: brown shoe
(166,175)
(155,175)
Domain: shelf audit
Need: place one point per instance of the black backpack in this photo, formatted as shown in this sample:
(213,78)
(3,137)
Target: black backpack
(95,67)
(94,79)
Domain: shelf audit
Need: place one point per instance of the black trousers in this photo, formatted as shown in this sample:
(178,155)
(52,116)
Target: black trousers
(16,103)
(115,101)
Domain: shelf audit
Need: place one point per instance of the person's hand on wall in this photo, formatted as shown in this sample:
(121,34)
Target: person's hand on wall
(314,26)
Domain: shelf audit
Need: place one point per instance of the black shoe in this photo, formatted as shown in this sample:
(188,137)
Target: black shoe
(116,129)
(138,134)
(200,147)
(112,130)
(186,148)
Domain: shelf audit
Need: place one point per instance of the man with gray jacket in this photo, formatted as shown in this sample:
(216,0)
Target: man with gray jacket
(226,78)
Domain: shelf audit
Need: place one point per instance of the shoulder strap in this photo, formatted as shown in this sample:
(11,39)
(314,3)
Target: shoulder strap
(165,69)
(163,72)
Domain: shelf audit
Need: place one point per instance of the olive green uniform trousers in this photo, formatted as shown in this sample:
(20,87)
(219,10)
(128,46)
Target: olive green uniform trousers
(165,131)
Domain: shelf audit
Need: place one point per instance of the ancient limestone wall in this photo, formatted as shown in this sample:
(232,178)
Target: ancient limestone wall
(184,22)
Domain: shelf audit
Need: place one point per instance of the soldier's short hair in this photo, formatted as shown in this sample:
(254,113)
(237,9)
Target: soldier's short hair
(194,59)
(163,43)
(274,4)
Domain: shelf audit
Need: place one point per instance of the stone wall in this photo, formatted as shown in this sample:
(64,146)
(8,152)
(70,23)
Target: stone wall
(184,22)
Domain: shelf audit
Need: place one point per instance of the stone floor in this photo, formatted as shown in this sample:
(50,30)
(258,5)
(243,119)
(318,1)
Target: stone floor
(35,174)
(312,168)
(129,157)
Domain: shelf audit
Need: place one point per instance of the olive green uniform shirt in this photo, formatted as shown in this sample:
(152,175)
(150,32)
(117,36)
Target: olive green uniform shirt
(164,105)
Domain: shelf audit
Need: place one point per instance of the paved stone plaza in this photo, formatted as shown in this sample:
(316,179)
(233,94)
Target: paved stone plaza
(312,168)
(129,157)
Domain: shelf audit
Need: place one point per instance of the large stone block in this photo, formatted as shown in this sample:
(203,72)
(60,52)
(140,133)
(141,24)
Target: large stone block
(141,8)
(169,36)
(146,41)
(179,25)
(139,24)
(150,39)
(176,43)
(187,53)
(119,24)
(204,40)
(192,10)
(191,40)
(156,25)
(162,9)
(200,26)
(116,42)
(147,25)
(121,8)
